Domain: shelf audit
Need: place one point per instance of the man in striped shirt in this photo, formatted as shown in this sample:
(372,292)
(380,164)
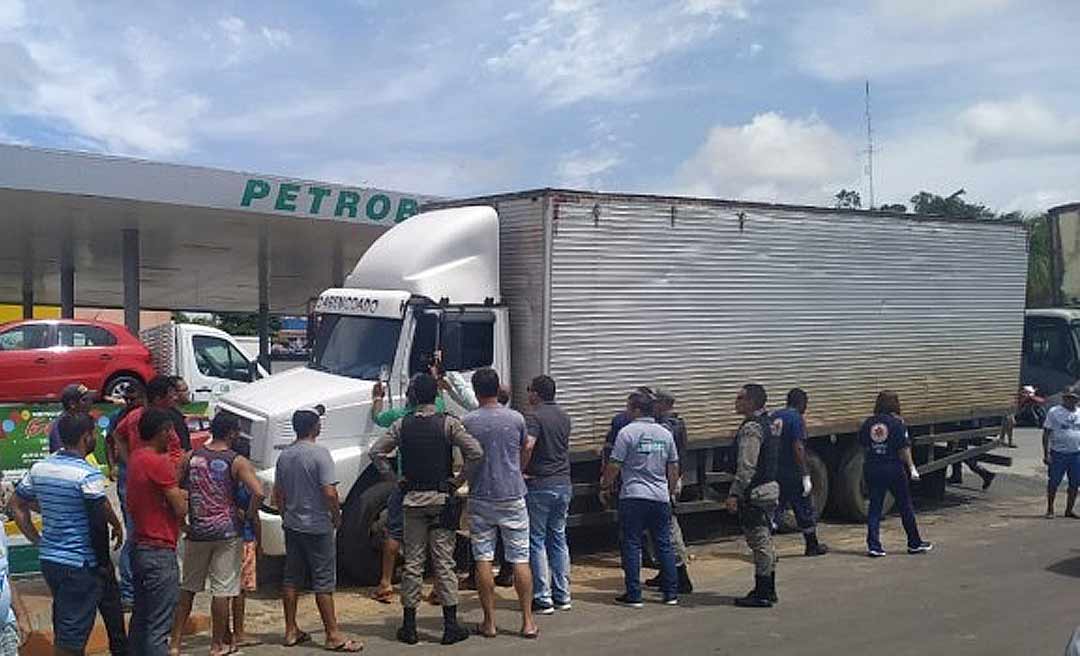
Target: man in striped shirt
(70,495)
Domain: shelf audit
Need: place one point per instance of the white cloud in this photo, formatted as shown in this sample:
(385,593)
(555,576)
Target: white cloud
(772,158)
(12,14)
(276,38)
(924,13)
(1024,127)
(585,169)
(578,49)
(438,175)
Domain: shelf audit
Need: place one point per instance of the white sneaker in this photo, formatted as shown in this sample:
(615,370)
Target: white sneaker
(563,606)
(876,553)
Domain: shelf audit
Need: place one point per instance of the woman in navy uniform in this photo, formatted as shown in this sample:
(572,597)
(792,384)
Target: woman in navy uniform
(887,467)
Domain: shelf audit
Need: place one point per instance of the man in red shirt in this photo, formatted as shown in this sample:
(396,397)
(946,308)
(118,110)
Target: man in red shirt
(157,505)
(160,394)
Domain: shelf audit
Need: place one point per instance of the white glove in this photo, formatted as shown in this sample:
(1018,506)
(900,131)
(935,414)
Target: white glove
(914,474)
(807,485)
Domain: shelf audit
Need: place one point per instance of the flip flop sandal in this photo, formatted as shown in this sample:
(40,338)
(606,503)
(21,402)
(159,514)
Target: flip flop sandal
(383,596)
(530,636)
(348,647)
(301,639)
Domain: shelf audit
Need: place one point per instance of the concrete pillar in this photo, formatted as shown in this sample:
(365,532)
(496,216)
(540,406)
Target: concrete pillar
(264,296)
(28,280)
(67,277)
(131,266)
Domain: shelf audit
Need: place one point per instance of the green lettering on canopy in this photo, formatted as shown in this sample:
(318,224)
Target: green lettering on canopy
(347,201)
(253,190)
(378,206)
(286,196)
(317,196)
(406,207)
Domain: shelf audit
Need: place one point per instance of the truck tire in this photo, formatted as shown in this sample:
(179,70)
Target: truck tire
(361,534)
(819,476)
(120,383)
(852,496)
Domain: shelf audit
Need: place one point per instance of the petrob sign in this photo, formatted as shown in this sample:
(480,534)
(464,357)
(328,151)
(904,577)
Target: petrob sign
(316,200)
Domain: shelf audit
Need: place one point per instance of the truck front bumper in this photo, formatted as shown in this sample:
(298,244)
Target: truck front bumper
(272,533)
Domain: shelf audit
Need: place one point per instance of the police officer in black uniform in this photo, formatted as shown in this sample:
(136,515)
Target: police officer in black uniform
(754,493)
(424,441)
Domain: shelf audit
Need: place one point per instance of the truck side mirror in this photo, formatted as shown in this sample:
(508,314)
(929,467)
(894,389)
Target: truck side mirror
(253,371)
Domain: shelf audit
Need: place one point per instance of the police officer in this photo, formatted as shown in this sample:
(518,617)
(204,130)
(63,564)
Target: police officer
(424,441)
(792,472)
(669,419)
(754,492)
(887,467)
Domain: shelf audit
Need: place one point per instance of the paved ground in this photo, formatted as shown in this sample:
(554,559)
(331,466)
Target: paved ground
(999,582)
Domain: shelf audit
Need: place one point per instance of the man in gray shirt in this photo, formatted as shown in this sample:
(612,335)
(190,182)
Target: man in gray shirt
(306,494)
(497,500)
(547,475)
(645,456)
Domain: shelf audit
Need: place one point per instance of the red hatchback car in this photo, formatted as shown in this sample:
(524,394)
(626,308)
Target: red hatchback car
(38,358)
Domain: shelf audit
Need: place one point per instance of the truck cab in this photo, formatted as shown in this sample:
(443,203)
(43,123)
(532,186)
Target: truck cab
(209,359)
(429,284)
(1051,351)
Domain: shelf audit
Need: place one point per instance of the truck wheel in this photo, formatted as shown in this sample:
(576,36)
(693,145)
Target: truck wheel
(361,534)
(819,476)
(119,384)
(852,496)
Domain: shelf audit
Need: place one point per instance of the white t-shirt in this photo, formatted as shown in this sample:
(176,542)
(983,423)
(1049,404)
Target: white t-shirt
(1064,427)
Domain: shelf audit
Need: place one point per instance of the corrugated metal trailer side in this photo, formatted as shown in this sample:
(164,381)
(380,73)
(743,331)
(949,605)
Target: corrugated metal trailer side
(608,292)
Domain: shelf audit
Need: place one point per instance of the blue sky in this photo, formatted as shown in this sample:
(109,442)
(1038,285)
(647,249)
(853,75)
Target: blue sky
(752,99)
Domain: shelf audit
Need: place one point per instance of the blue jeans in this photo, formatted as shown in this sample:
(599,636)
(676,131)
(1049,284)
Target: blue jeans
(635,516)
(549,555)
(127,588)
(157,586)
(882,478)
(76,592)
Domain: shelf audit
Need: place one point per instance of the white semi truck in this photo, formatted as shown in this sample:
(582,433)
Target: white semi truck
(607,292)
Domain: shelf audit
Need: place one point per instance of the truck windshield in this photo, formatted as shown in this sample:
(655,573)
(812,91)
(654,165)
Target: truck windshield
(357,347)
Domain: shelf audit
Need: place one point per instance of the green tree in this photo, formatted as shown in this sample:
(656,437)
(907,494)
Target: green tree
(1040,283)
(234,323)
(954,205)
(848,199)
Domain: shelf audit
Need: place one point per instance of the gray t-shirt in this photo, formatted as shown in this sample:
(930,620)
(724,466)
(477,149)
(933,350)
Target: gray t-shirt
(643,450)
(550,462)
(501,433)
(303,468)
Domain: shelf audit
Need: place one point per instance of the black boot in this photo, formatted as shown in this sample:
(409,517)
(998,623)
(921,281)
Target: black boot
(453,632)
(758,597)
(685,586)
(654,582)
(771,590)
(813,547)
(407,632)
(505,577)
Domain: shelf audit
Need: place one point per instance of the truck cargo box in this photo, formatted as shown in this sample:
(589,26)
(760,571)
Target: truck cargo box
(611,291)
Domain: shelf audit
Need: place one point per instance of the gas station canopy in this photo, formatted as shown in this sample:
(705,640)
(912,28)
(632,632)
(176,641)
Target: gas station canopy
(116,232)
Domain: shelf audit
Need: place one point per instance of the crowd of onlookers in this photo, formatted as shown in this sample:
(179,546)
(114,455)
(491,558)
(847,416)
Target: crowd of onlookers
(188,517)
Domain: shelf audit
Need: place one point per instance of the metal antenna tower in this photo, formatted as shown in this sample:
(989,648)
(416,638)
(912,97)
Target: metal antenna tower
(869,149)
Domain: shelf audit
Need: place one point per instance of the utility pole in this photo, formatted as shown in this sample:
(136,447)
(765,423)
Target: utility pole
(869,149)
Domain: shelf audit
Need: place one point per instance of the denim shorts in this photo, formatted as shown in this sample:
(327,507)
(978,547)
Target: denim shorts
(395,515)
(508,518)
(310,557)
(76,592)
(1062,464)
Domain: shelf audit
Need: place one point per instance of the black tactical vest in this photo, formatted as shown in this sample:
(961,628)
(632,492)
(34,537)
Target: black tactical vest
(426,455)
(768,455)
